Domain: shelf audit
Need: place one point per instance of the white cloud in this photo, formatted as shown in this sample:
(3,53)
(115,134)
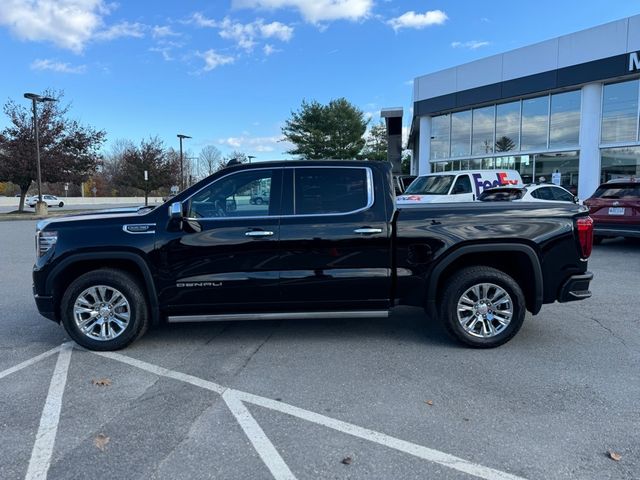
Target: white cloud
(121,30)
(412,19)
(255,144)
(163,31)
(315,11)
(276,30)
(245,35)
(55,66)
(471,44)
(202,21)
(269,49)
(69,24)
(213,59)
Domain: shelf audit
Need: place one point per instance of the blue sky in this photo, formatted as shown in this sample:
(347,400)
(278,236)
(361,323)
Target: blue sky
(229,72)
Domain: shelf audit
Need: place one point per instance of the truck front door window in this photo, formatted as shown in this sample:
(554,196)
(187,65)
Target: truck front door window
(242,194)
(463,185)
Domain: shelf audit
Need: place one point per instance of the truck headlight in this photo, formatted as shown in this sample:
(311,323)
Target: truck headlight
(45,241)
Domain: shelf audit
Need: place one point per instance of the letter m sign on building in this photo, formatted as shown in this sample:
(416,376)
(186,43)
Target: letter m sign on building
(634,61)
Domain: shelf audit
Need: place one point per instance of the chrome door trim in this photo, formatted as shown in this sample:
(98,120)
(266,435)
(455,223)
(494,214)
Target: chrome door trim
(225,317)
(370,196)
(258,233)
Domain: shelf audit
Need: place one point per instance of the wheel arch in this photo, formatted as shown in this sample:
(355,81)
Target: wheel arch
(72,267)
(518,260)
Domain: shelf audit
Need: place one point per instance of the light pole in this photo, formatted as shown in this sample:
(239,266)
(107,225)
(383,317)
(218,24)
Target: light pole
(40,207)
(251,157)
(181,137)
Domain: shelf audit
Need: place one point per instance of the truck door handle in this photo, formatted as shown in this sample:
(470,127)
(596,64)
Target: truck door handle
(367,230)
(258,233)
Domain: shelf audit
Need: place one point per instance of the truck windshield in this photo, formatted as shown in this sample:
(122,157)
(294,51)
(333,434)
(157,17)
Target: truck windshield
(430,185)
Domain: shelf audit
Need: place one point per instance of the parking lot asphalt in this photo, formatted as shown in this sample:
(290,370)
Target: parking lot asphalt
(372,398)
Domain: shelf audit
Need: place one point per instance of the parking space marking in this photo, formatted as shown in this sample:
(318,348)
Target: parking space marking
(267,451)
(429,454)
(48,428)
(416,450)
(28,363)
(163,372)
(234,399)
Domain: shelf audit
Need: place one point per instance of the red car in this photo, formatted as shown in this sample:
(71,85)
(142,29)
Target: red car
(615,209)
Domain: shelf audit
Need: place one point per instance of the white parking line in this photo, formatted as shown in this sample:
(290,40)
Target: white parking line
(429,454)
(46,436)
(163,372)
(257,437)
(425,453)
(29,362)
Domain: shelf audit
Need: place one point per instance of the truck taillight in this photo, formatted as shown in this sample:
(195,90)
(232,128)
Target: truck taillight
(585,235)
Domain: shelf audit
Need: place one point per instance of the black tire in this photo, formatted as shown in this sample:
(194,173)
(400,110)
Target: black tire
(597,239)
(462,281)
(128,286)
(61,204)
(258,201)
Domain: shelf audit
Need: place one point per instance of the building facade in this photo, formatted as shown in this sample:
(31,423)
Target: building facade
(568,106)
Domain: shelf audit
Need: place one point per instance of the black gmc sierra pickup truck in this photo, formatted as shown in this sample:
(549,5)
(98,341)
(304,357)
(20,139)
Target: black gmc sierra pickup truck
(327,241)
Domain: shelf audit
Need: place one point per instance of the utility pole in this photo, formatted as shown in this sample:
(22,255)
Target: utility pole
(41,207)
(182,137)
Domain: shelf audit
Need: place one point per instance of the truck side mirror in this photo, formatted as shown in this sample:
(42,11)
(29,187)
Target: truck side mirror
(576,200)
(175,211)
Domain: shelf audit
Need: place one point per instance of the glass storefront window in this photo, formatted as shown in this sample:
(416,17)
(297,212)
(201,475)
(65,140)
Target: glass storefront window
(620,112)
(619,162)
(564,129)
(460,133)
(488,163)
(535,123)
(483,126)
(565,163)
(475,164)
(524,165)
(508,127)
(440,129)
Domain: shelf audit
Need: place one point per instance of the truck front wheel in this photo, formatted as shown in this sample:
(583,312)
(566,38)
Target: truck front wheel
(104,310)
(482,307)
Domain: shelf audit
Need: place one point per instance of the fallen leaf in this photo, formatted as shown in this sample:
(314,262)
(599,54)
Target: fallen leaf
(103,382)
(346,460)
(614,456)
(429,402)
(101,441)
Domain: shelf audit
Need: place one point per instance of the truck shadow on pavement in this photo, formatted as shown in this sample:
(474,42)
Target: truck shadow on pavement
(404,325)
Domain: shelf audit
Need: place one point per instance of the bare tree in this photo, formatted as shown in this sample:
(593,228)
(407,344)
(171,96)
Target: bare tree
(209,161)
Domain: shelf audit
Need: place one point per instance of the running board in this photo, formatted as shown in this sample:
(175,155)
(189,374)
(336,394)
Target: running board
(278,316)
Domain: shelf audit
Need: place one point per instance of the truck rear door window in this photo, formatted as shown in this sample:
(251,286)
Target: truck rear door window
(322,191)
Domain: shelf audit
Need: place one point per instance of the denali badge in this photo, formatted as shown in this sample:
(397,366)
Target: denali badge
(198,284)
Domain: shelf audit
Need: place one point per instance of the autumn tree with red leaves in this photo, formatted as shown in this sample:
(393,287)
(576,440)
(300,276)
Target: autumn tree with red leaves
(68,150)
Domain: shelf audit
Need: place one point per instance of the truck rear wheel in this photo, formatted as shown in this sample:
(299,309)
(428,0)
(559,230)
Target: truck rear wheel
(482,307)
(105,310)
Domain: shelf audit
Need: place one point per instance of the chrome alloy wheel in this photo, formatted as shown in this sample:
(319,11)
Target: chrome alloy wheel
(101,312)
(485,310)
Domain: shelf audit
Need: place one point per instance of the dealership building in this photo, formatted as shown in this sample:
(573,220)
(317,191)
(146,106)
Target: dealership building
(567,105)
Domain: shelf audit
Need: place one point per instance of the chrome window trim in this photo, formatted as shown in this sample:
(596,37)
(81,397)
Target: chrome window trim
(370,195)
